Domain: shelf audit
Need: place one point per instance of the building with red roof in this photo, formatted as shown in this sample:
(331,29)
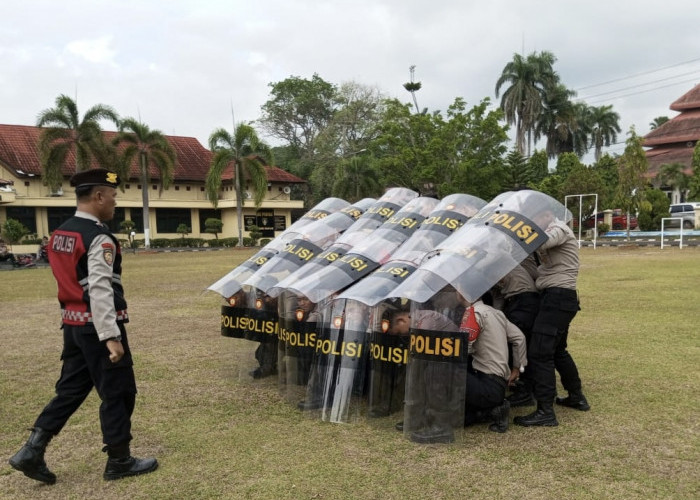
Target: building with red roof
(24,197)
(674,141)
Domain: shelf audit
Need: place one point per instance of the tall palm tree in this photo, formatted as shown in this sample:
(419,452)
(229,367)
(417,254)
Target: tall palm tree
(522,100)
(153,150)
(66,132)
(605,125)
(657,122)
(673,176)
(356,179)
(557,121)
(249,155)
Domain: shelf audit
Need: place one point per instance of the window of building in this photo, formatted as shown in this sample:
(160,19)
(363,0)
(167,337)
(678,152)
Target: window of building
(58,215)
(167,219)
(137,219)
(118,218)
(25,215)
(205,214)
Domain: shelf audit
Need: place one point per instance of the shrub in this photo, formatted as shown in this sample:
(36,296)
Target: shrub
(603,228)
(265,241)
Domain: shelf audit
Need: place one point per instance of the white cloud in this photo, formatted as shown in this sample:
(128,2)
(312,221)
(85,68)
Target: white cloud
(98,50)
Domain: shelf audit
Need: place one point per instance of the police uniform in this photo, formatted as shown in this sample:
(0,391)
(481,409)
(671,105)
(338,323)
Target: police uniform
(86,261)
(489,371)
(556,282)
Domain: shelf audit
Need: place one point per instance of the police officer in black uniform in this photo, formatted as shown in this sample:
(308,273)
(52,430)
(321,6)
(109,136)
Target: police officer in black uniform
(86,261)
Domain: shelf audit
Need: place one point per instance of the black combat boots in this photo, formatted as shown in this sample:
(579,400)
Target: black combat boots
(521,395)
(543,416)
(500,415)
(575,400)
(121,464)
(30,458)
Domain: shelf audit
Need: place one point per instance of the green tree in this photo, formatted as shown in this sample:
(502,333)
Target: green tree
(694,183)
(213,226)
(538,167)
(522,102)
(673,176)
(255,234)
(356,179)
(67,134)
(655,207)
(657,122)
(516,170)
(152,149)
(558,120)
(413,86)
(248,155)
(631,167)
(183,229)
(605,125)
(13,230)
(606,168)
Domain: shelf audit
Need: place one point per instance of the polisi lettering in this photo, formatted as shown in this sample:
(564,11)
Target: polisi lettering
(297,339)
(63,243)
(517,226)
(353,212)
(408,222)
(396,355)
(346,349)
(440,220)
(354,262)
(383,211)
(315,214)
(255,325)
(329,255)
(301,252)
(399,271)
(436,346)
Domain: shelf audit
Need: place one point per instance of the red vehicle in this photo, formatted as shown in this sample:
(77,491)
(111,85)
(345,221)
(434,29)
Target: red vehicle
(619,220)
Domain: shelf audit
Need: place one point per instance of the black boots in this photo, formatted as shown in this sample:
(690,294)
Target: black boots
(30,458)
(575,400)
(521,395)
(433,434)
(121,464)
(542,417)
(500,415)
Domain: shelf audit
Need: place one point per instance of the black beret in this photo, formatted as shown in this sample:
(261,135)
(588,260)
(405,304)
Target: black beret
(95,177)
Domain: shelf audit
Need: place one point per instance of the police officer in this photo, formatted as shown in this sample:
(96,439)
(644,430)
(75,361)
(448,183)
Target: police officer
(86,261)
(556,282)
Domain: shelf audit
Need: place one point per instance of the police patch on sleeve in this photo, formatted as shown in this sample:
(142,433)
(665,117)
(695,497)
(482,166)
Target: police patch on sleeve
(108,253)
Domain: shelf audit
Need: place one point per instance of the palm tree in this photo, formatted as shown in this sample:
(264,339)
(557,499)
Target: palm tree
(657,122)
(152,149)
(522,101)
(249,156)
(356,179)
(557,121)
(673,176)
(605,125)
(66,133)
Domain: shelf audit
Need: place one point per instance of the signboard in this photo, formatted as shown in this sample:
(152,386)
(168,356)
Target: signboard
(280,223)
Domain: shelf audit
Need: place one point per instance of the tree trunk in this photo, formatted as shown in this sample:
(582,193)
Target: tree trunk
(144,195)
(239,203)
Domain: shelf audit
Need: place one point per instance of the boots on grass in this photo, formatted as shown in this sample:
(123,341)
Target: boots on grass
(575,400)
(521,395)
(543,416)
(500,415)
(121,464)
(30,458)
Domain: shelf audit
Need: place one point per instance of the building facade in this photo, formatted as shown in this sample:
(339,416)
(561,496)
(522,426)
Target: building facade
(24,197)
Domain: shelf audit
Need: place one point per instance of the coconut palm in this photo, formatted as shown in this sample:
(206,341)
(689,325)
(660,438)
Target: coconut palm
(673,176)
(66,132)
(153,150)
(605,125)
(557,121)
(657,122)
(356,179)
(249,155)
(522,100)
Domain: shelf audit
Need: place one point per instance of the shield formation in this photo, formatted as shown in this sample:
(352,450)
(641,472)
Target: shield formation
(359,306)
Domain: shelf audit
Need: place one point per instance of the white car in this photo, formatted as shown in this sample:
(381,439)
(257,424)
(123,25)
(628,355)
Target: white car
(686,212)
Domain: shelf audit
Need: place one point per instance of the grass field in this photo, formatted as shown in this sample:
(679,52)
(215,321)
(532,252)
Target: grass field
(218,434)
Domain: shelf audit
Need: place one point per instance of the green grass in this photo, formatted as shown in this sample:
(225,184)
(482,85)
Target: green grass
(218,434)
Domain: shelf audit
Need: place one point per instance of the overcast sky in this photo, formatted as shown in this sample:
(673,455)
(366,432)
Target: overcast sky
(181,65)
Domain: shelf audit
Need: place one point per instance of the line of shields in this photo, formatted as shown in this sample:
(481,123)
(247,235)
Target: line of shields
(361,318)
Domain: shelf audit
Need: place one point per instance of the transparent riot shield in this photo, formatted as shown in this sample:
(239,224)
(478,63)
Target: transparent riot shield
(446,218)
(436,372)
(262,326)
(299,322)
(486,248)
(384,208)
(388,353)
(229,284)
(336,386)
(367,255)
(310,242)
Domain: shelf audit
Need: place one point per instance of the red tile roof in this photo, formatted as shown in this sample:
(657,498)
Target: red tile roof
(689,100)
(19,152)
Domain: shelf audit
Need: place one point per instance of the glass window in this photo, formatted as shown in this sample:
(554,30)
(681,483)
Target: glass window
(167,219)
(113,225)
(25,215)
(58,215)
(205,214)
(137,219)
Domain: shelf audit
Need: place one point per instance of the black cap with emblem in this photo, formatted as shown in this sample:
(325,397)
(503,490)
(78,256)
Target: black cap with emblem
(95,177)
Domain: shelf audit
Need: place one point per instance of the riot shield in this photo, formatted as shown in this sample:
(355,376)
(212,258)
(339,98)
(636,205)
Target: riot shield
(436,372)
(485,249)
(299,320)
(229,284)
(337,378)
(447,217)
(367,255)
(311,241)
(261,325)
(384,208)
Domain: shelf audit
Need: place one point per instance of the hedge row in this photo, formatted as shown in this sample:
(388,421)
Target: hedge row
(193,243)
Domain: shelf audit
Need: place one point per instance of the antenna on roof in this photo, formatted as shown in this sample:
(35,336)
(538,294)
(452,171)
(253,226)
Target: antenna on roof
(233,119)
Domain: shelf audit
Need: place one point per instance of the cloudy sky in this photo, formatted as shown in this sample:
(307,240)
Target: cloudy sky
(182,65)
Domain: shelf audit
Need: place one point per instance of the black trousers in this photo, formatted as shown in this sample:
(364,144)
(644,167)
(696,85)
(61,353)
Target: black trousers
(548,342)
(484,391)
(86,365)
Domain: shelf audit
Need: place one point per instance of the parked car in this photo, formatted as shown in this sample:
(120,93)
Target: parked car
(619,220)
(685,212)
